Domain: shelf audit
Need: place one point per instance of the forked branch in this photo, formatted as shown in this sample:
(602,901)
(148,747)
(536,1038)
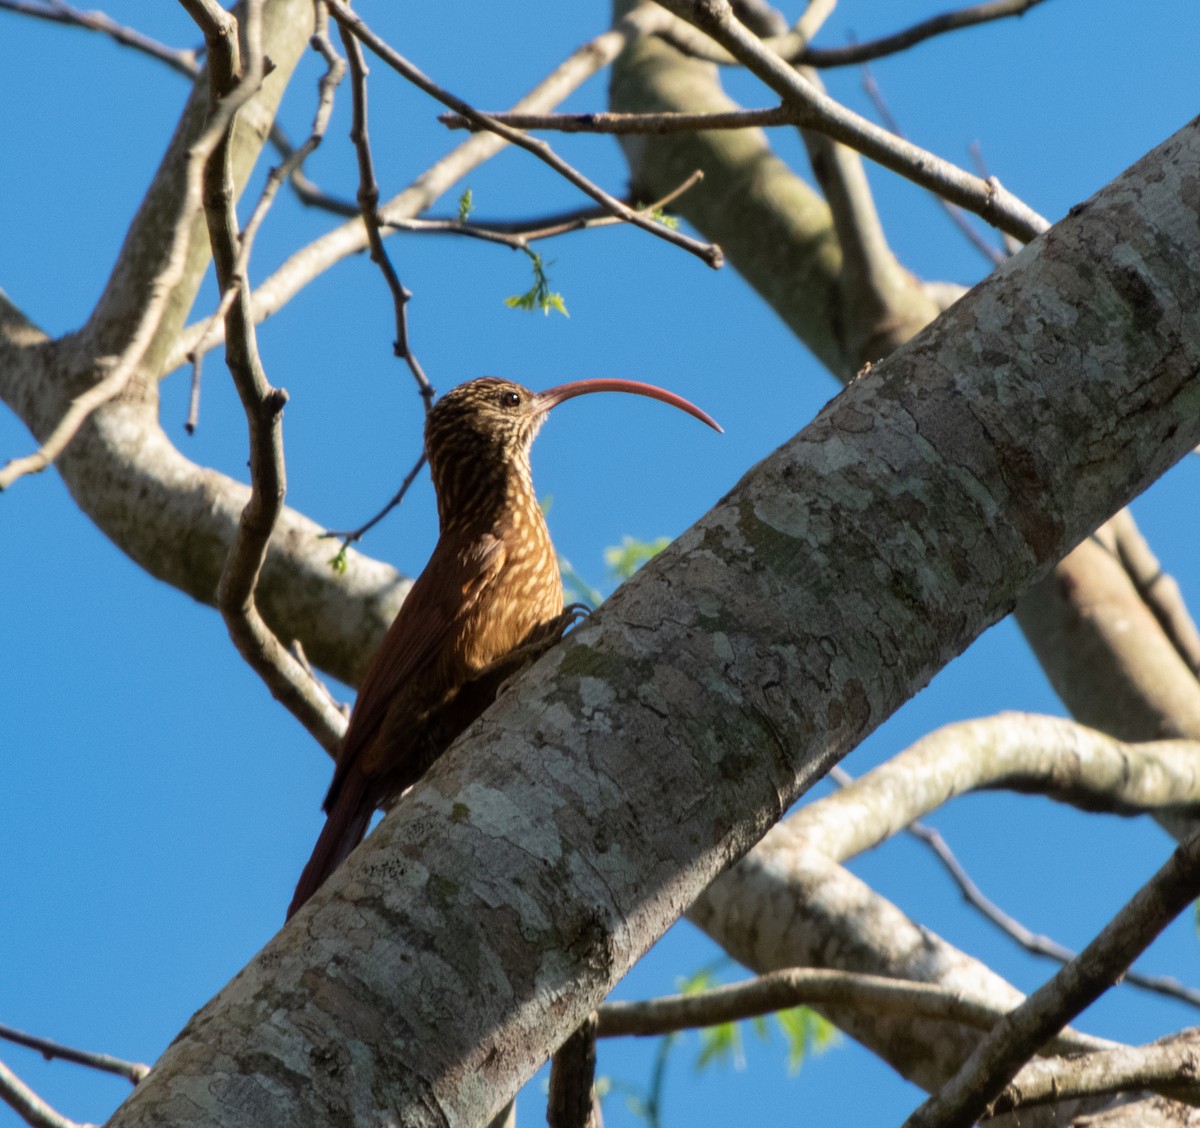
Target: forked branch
(287,679)
(708,252)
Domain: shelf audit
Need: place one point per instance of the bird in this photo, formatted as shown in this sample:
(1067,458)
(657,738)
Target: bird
(489,600)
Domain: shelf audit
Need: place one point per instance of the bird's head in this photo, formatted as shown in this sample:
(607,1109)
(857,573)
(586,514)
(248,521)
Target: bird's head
(482,431)
(488,419)
(495,418)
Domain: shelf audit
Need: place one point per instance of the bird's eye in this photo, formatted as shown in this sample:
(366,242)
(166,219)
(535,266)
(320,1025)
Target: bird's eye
(510,399)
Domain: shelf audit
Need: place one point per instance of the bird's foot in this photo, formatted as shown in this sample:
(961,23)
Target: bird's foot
(572,614)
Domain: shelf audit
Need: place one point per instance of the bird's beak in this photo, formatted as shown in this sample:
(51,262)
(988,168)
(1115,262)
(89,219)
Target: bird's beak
(552,397)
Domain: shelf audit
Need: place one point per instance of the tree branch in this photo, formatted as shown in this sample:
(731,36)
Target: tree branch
(288,681)
(1030,941)
(572,1101)
(1018,751)
(793,46)
(543,834)
(28,1105)
(1023,1032)
(822,57)
(132,1071)
(707,252)
(793,987)
(986,199)
(294,161)
(162,291)
(1169,1068)
(185,62)
(368,204)
(350,238)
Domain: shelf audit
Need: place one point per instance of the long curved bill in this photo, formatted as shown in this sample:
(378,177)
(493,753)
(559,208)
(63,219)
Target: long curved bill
(552,397)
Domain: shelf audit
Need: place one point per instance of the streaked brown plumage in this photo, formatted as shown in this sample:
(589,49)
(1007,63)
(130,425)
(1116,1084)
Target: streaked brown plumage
(489,598)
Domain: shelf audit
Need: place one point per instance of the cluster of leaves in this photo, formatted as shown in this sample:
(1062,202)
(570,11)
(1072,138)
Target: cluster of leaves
(539,295)
(622,559)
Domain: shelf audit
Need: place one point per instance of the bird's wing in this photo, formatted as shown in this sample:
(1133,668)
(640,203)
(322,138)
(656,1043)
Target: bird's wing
(428,621)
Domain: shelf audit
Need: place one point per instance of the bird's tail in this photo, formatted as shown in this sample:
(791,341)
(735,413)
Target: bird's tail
(344,829)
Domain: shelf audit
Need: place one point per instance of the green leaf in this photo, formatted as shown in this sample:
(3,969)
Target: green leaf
(338,562)
(466,204)
(539,295)
(576,588)
(722,1043)
(627,557)
(805,1030)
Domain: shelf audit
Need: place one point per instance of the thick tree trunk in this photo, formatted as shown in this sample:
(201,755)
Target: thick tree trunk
(502,899)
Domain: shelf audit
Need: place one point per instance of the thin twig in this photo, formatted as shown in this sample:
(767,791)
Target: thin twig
(1025,1030)
(622,124)
(987,199)
(1032,942)
(297,651)
(185,62)
(793,46)
(900,41)
(28,1105)
(262,403)
(956,214)
(308,193)
(368,204)
(350,537)
(519,234)
(708,252)
(312,260)
(132,1071)
(335,69)
(1011,245)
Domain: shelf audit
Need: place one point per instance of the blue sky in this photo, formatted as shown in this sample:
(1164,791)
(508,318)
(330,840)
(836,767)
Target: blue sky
(156,806)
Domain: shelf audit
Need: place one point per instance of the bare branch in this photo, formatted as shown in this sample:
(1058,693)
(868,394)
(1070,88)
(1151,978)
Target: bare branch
(708,252)
(634,123)
(1031,941)
(28,1105)
(1025,1030)
(793,46)
(793,987)
(354,535)
(1157,588)
(936,25)
(519,234)
(572,1102)
(308,193)
(985,198)
(1019,751)
(309,262)
(263,404)
(881,307)
(335,68)
(368,204)
(184,61)
(1169,1067)
(993,254)
(161,292)
(132,1071)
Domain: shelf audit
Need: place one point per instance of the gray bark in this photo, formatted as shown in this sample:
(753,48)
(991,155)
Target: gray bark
(500,901)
